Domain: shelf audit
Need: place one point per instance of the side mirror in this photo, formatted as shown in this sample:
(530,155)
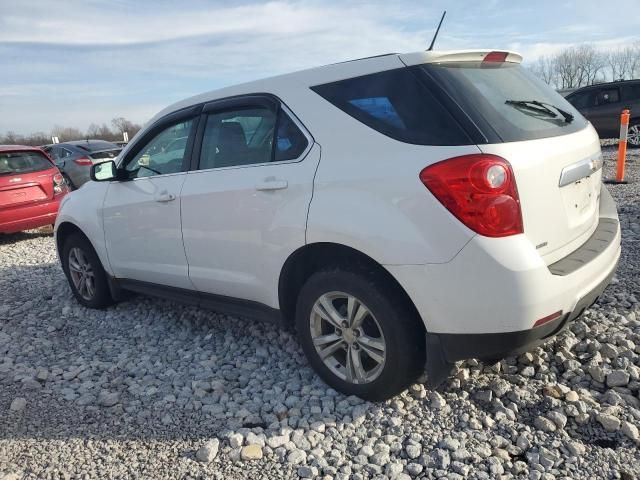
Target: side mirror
(103,171)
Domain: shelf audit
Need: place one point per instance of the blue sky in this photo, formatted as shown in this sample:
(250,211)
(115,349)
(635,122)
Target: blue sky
(73,62)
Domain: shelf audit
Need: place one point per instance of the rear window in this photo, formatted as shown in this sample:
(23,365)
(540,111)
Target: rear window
(96,146)
(398,104)
(22,162)
(486,92)
(106,155)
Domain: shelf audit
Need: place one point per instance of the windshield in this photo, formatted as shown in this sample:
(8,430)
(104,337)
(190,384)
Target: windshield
(508,99)
(22,162)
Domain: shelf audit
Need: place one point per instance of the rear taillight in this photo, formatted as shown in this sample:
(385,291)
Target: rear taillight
(84,161)
(480,190)
(59,185)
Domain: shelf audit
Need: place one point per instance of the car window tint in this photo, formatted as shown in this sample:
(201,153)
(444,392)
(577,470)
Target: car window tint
(290,142)
(631,92)
(609,95)
(238,137)
(22,162)
(397,104)
(162,155)
(582,99)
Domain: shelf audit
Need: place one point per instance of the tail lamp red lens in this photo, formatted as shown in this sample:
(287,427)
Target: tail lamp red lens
(59,185)
(479,190)
(84,161)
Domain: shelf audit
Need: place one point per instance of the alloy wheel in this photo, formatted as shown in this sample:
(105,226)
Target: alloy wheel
(633,136)
(82,274)
(347,337)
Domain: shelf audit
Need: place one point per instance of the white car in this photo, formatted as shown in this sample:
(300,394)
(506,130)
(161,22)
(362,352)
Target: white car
(400,212)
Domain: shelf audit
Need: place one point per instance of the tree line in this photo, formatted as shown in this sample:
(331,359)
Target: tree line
(119,125)
(577,66)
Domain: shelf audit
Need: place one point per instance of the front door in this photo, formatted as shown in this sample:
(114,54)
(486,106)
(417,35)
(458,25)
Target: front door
(244,209)
(142,212)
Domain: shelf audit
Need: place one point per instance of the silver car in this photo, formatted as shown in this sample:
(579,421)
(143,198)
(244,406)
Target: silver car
(74,159)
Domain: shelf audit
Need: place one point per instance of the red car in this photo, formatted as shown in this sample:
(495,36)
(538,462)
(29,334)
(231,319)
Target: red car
(31,188)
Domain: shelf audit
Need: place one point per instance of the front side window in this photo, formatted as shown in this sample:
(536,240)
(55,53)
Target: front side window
(22,162)
(631,92)
(163,154)
(245,136)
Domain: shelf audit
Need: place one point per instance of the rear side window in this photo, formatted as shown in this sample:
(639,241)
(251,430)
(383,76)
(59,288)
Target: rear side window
(582,99)
(396,103)
(22,162)
(609,95)
(502,97)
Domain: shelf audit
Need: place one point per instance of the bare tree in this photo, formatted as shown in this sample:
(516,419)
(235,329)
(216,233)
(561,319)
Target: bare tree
(66,134)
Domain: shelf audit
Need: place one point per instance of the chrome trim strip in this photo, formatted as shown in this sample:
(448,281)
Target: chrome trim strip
(579,170)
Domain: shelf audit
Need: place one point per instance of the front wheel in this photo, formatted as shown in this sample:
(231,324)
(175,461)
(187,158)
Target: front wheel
(359,334)
(87,278)
(633,137)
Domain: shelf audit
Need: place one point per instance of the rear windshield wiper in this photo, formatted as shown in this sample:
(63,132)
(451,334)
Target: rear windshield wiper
(541,107)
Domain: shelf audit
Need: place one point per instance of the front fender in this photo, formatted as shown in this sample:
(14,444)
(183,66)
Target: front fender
(83,209)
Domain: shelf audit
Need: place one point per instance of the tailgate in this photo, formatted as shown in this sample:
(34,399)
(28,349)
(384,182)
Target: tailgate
(558,183)
(24,193)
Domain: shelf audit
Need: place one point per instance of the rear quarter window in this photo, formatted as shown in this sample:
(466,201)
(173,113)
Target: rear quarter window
(397,104)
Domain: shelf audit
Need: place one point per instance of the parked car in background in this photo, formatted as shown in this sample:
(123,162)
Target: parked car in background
(456,211)
(31,188)
(74,159)
(602,104)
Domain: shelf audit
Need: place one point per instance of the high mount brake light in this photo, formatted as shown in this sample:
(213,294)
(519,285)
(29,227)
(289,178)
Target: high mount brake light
(498,57)
(480,190)
(85,161)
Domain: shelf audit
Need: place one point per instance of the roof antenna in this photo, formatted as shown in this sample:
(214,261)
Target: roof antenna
(437,31)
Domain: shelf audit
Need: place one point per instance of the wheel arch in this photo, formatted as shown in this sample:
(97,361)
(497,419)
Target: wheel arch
(314,257)
(64,231)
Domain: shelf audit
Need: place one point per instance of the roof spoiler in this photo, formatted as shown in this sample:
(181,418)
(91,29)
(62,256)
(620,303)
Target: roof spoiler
(493,56)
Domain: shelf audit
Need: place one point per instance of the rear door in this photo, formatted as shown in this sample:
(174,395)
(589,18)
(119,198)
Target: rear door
(606,113)
(142,213)
(245,206)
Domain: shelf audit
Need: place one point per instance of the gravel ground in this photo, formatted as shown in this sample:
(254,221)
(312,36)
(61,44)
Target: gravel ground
(151,389)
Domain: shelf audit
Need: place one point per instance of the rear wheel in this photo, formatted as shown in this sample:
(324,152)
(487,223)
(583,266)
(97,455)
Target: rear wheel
(633,137)
(359,335)
(87,278)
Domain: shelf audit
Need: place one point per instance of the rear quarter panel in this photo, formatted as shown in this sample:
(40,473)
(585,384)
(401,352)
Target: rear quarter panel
(368,194)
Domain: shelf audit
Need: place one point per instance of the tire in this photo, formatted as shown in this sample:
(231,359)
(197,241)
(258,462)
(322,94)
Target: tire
(389,320)
(78,249)
(633,138)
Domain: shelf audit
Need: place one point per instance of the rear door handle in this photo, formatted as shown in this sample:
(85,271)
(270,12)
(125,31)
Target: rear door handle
(165,197)
(272,183)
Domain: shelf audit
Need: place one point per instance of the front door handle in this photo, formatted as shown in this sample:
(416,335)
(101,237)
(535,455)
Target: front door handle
(165,197)
(272,183)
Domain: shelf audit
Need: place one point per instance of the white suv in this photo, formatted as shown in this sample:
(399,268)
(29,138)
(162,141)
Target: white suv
(400,212)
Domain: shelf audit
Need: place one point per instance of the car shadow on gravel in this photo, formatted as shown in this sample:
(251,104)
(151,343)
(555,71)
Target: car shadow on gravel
(10,238)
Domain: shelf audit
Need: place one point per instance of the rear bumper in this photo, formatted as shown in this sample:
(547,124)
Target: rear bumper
(499,345)
(497,285)
(26,217)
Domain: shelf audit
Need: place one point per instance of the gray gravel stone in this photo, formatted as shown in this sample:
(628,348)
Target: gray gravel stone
(208,451)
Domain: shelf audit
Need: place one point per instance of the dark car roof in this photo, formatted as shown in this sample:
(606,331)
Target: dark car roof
(91,145)
(616,83)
